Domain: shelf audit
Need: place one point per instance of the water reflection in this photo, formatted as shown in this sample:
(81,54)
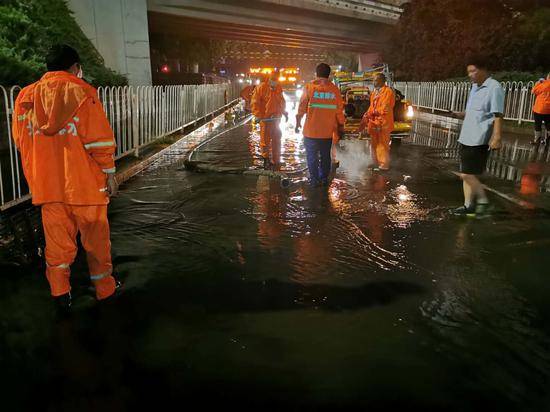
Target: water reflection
(231,273)
(270,211)
(510,163)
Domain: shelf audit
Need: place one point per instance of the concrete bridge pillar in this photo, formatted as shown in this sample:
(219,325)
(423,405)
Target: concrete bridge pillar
(119,31)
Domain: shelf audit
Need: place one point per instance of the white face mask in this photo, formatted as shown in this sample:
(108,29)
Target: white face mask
(80,74)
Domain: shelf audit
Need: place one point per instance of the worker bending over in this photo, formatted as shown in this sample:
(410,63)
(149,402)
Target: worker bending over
(246,95)
(541,109)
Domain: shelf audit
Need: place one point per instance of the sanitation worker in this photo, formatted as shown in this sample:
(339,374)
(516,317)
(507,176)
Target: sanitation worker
(268,107)
(67,149)
(378,120)
(323,107)
(246,95)
(541,109)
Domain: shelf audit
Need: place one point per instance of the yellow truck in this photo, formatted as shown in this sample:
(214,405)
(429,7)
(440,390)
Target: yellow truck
(356,89)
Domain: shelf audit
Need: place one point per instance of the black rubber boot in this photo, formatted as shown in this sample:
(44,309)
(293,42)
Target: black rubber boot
(63,305)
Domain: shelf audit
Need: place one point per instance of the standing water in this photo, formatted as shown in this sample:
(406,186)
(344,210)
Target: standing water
(365,294)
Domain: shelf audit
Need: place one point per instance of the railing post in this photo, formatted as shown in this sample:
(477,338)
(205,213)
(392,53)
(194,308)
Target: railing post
(453,98)
(135,120)
(164,114)
(522,103)
(434,98)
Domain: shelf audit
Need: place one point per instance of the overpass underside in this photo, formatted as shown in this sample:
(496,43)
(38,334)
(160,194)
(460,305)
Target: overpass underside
(355,26)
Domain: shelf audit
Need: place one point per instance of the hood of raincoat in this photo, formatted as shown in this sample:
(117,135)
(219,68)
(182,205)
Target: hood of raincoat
(55,99)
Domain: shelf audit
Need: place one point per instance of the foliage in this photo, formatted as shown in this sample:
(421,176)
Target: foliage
(28,28)
(434,37)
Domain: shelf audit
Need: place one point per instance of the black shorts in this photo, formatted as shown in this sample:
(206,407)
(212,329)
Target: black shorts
(473,159)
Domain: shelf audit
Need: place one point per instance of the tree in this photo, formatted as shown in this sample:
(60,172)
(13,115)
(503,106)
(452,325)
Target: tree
(433,37)
(28,28)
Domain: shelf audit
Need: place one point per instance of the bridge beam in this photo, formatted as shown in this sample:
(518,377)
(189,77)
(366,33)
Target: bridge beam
(277,16)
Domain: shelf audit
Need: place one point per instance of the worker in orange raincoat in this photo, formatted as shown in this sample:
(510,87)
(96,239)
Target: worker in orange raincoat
(67,149)
(541,109)
(323,107)
(246,95)
(268,106)
(378,120)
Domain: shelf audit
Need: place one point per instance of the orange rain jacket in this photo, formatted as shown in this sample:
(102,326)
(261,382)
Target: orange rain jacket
(268,102)
(324,109)
(246,94)
(542,101)
(66,143)
(379,117)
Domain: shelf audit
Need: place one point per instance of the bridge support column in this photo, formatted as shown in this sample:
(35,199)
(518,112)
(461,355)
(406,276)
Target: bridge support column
(119,31)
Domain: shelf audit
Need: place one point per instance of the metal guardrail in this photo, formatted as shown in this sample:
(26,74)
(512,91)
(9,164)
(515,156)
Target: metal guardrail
(507,163)
(138,115)
(368,7)
(518,103)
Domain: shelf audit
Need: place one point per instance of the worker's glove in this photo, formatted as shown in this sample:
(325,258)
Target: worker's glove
(297,129)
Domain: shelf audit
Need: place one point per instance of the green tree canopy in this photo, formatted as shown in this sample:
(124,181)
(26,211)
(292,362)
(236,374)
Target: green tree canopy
(28,28)
(434,37)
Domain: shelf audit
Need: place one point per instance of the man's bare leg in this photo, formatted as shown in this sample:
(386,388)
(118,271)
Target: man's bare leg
(473,190)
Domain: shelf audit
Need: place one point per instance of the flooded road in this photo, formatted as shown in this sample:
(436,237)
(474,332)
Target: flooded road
(365,294)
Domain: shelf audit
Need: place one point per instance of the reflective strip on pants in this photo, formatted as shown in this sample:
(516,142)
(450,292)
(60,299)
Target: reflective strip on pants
(62,223)
(61,266)
(100,276)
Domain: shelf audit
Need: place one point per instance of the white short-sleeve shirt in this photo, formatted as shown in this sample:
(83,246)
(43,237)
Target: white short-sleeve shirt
(483,103)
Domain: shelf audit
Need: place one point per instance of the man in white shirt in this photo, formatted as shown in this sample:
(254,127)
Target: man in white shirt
(481,132)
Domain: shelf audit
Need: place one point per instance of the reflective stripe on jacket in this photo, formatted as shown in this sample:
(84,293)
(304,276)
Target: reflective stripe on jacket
(66,143)
(322,104)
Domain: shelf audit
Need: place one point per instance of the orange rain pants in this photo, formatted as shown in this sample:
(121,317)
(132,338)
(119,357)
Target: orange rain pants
(380,148)
(61,224)
(379,121)
(270,140)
